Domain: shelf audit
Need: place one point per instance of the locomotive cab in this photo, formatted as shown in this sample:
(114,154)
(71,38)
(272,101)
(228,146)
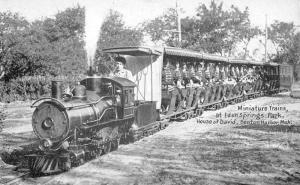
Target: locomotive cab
(123,91)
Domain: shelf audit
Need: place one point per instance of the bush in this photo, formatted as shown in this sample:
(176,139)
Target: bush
(32,87)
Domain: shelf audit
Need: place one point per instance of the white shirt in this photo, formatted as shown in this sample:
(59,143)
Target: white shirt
(124,73)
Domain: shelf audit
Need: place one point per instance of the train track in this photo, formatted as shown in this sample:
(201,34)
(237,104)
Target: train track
(7,181)
(26,178)
(2,116)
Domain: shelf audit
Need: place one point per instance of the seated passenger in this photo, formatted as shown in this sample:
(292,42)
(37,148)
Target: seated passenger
(226,70)
(245,70)
(167,77)
(185,76)
(251,74)
(192,75)
(257,74)
(223,74)
(244,76)
(120,70)
(231,78)
(238,74)
(178,76)
(198,79)
(233,73)
(230,81)
(208,76)
(217,74)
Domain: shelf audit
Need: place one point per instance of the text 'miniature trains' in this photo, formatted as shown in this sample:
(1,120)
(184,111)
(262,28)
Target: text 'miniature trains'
(169,83)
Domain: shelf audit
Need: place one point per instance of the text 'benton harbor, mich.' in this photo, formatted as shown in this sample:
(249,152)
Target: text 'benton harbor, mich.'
(252,114)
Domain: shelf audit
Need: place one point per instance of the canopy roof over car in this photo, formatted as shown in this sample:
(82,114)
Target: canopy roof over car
(143,50)
(193,54)
(134,51)
(172,51)
(146,64)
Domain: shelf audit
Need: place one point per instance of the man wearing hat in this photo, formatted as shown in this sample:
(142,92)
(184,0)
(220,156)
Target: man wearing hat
(120,70)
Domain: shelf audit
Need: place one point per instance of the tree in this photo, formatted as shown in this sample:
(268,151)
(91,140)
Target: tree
(114,33)
(13,29)
(281,35)
(246,34)
(219,30)
(52,46)
(163,28)
(212,29)
(71,22)
(66,36)
(294,51)
(291,54)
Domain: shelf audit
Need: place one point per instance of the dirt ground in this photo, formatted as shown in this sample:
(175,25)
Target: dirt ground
(197,151)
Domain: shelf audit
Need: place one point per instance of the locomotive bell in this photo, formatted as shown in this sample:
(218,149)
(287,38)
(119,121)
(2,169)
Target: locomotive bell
(79,92)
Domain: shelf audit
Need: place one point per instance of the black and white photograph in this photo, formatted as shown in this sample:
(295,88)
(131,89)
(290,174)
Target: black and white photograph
(150,92)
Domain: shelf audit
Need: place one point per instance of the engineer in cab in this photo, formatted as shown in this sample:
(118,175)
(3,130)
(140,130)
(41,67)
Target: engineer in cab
(120,70)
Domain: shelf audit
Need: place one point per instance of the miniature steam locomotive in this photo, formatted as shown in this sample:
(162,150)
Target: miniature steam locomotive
(102,112)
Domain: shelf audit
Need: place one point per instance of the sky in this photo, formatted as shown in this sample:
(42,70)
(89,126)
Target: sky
(138,11)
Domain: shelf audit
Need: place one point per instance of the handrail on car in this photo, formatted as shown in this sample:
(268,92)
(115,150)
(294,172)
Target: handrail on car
(46,98)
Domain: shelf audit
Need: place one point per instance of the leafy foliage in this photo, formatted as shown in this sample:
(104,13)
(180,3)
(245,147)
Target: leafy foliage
(246,34)
(12,31)
(162,28)
(281,34)
(71,22)
(32,87)
(3,115)
(285,41)
(212,29)
(114,33)
(219,30)
(294,50)
(52,46)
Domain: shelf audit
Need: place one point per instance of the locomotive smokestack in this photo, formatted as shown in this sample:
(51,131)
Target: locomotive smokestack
(56,89)
(90,72)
